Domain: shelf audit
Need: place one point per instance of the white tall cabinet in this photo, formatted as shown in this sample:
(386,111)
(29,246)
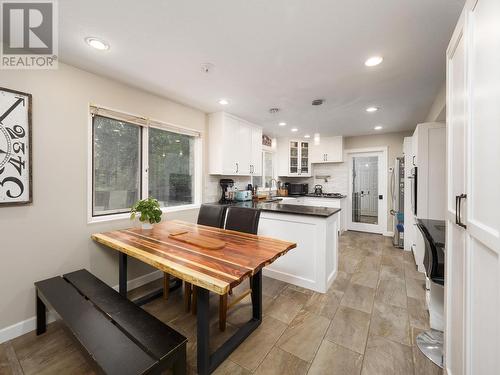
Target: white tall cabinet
(472,271)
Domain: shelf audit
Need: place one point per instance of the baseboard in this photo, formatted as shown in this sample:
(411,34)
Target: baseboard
(28,325)
(388,234)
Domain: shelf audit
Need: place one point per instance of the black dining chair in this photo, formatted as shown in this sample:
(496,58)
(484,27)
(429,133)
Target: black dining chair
(430,342)
(244,220)
(212,215)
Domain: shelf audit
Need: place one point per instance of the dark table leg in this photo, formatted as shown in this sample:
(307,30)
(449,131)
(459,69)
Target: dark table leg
(207,363)
(41,316)
(122,274)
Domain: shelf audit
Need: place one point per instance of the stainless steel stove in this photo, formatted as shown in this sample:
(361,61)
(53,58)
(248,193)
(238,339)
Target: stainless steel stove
(327,195)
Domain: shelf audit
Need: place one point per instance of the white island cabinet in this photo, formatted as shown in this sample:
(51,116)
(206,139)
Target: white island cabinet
(313,263)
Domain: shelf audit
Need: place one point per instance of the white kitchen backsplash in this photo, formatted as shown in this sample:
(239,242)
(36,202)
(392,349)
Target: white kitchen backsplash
(213,190)
(337,182)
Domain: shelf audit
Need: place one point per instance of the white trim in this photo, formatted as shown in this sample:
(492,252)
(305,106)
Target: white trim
(28,325)
(381,227)
(388,234)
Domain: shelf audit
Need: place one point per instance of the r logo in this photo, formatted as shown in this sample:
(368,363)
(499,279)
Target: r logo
(27,28)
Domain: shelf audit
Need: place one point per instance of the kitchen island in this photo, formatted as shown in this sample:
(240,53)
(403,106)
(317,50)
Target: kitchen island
(313,264)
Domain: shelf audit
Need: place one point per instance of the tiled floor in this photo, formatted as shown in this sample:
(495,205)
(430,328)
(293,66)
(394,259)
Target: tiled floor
(365,324)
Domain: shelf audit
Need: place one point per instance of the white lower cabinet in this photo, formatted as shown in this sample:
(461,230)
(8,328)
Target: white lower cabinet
(472,271)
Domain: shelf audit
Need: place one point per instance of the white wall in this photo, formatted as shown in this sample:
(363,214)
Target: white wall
(51,236)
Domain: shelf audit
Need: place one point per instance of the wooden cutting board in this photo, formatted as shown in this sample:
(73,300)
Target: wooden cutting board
(198,240)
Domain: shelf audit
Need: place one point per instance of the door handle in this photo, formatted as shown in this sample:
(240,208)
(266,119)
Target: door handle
(237,168)
(460,197)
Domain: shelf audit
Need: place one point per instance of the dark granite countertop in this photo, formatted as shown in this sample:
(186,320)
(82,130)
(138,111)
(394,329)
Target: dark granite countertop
(312,195)
(289,208)
(436,229)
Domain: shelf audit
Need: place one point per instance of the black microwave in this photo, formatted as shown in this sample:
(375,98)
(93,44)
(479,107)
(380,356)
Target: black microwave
(297,189)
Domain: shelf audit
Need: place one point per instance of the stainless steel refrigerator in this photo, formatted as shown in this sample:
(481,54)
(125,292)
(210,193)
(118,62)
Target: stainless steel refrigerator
(397,201)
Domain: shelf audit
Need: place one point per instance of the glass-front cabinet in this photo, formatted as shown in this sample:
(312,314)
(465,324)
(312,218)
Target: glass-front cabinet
(299,162)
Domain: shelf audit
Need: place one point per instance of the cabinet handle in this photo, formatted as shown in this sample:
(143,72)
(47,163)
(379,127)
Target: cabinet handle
(457,198)
(413,161)
(460,197)
(237,168)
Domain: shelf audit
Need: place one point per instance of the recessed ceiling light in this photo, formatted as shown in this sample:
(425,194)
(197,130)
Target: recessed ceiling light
(378,127)
(282,124)
(307,136)
(96,43)
(294,130)
(374,60)
(372,109)
(223,101)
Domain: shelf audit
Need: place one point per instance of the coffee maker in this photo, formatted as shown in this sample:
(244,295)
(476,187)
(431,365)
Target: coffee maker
(225,184)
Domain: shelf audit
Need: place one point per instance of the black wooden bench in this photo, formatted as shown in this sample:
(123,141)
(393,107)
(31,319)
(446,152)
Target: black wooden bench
(118,335)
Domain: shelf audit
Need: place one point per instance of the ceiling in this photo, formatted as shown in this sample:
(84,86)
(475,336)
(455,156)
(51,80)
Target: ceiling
(279,53)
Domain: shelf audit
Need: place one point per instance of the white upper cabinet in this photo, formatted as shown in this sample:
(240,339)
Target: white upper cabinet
(329,150)
(234,146)
(294,158)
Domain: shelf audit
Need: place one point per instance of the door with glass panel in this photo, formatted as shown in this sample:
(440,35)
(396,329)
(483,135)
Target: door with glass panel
(366,192)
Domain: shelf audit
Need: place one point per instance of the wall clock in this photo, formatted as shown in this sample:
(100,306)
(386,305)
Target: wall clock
(15,148)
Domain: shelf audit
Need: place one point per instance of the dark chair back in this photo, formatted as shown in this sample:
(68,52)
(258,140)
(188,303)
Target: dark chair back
(433,263)
(243,219)
(212,215)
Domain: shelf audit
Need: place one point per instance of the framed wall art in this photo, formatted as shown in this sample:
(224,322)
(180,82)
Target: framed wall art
(16,187)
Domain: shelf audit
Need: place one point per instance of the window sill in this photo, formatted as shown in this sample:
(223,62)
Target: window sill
(126,215)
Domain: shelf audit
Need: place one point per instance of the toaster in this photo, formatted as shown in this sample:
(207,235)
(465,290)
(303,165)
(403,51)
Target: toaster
(243,195)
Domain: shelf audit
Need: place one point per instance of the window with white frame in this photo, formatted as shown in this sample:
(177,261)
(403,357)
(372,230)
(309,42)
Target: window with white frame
(268,171)
(133,159)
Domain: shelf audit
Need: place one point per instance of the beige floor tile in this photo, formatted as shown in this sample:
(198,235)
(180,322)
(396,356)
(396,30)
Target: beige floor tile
(255,348)
(304,335)
(9,364)
(385,357)
(324,304)
(341,281)
(358,297)
(299,296)
(390,322)
(284,308)
(349,328)
(391,261)
(54,352)
(272,287)
(418,313)
(370,263)
(336,360)
(365,278)
(415,288)
(240,313)
(392,292)
(349,264)
(392,272)
(412,272)
(279,361)
(230,368)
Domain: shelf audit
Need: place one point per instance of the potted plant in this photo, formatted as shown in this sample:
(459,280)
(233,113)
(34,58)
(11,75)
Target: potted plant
(149,212)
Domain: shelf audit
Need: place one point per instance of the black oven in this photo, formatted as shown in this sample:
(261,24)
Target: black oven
(414,184)
(297,189)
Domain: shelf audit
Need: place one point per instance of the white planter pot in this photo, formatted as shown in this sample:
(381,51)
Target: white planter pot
(147,225)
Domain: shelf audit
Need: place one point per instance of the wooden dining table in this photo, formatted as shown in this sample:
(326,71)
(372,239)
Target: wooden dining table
(214,260)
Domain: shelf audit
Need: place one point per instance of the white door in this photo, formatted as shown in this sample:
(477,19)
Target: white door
(482,205)
(455,234)
(367,189)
